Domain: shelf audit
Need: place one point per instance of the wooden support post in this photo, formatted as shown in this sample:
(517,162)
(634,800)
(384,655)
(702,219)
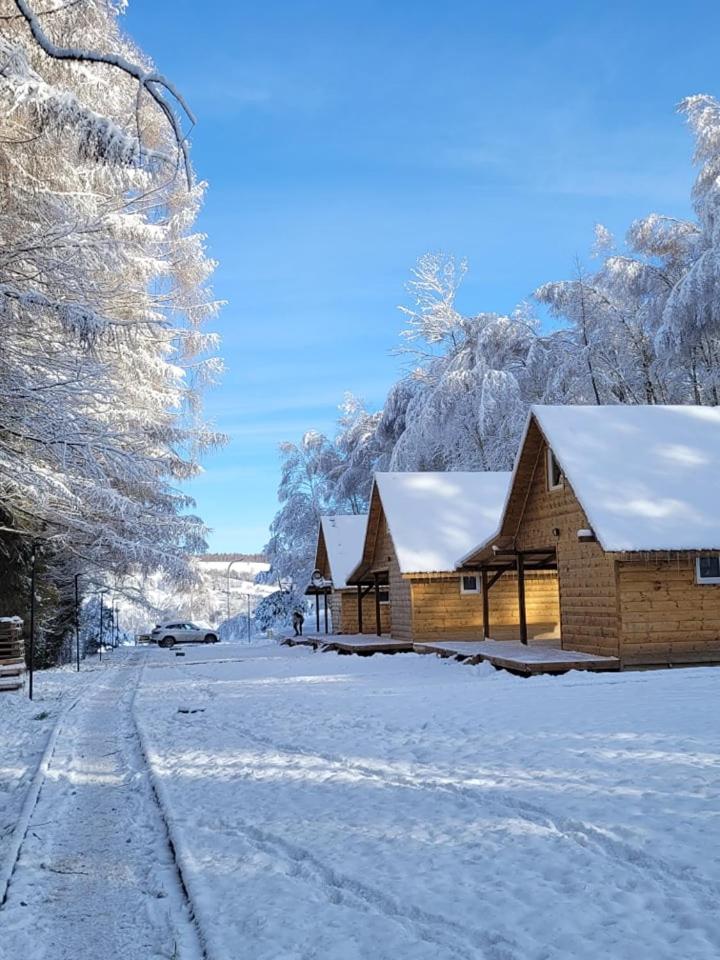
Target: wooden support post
(377,606)
(359,599)
(317,612)
(521,598)
(325,610)
(486,605)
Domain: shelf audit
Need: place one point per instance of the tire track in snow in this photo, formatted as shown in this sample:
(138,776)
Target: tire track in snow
(95,874)
(500,803)
(9,863)
(465,942)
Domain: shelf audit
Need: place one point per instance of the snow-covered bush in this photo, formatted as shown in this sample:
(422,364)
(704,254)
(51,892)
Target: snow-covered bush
(275,612)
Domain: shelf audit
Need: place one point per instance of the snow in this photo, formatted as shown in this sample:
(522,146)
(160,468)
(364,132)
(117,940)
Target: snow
(409,808)
(96,876)
(25,727)
(514,651)
(246,569)
(646,476)
(360,640)
(206,603)
(434,518)
(344,538)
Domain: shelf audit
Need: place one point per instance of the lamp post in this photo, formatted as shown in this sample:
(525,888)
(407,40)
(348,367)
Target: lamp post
(102,612)
(77,622)
(248,597)
(227,590)
(31,658)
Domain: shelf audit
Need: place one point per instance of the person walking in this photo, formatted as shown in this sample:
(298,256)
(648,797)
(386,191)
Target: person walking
(297,621)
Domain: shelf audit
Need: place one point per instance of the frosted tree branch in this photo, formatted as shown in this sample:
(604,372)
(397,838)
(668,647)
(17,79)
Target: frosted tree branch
(157,86)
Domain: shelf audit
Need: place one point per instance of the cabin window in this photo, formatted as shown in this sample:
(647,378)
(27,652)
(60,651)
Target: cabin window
(554,471)
(469,584)
(384,595)
(707,569)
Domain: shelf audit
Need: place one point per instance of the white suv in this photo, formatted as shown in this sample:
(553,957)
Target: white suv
(181,631)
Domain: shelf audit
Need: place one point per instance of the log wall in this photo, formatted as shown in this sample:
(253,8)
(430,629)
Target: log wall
(586,574)
(345,618)
(666,617)
(441,611)
(400,609)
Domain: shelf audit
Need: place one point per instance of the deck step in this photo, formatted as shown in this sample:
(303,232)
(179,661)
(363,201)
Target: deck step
(363,644)
(527,659)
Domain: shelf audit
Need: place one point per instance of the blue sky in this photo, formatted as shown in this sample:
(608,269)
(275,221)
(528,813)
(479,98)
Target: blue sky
(341,141)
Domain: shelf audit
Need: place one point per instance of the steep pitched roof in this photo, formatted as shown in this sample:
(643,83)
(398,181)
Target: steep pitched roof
(432,517)
(344,537)
(647,477)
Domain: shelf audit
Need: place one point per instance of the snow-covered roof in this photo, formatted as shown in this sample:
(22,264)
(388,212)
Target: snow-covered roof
(434,518)
(344,537)
(647,477)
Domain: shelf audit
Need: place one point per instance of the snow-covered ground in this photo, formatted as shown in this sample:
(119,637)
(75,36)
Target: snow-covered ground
(340,808)
(405,807)
(96,875)
(24,730)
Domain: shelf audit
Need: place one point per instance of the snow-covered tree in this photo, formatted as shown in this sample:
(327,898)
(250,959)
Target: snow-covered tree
(358,449)
(645,326)
(466,406)
(103,292)
(305,494)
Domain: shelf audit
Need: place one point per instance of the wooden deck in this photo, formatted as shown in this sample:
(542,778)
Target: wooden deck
(540,656)
(363,644)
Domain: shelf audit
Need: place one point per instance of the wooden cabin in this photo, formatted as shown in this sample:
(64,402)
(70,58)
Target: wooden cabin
(621,505)
(339,548)
(418,524)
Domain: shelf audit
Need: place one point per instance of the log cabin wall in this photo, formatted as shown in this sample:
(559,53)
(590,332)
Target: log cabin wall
(441,611)
(345,618)
(399,610)
(666,617)
(335,602)
(589,618)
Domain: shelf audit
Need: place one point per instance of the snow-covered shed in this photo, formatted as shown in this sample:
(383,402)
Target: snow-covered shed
(418,524)
(622,503)
(339,548)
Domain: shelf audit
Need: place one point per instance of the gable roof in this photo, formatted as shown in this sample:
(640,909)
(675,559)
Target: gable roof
(344,537)
(647,477)
(432,517)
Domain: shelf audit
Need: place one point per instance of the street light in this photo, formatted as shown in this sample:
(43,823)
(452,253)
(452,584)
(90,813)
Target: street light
(248,597)
(227,576)
(31,658)
(77,621)
(102,598)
